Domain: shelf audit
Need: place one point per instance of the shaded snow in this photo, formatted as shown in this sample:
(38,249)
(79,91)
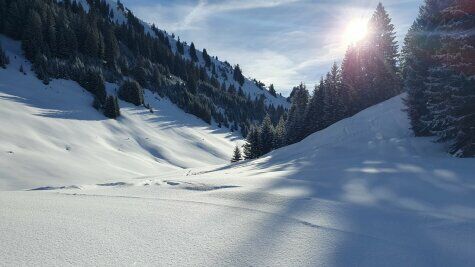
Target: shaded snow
(363,192)
(51,134)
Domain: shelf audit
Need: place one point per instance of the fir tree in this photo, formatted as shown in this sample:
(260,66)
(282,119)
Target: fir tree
(179,47)
(111,107)
(314,113)
(193,55)
(32,39)
(272,90)
(296,119)
(237,74)
(252,146)
(383,54)
(266,136)
(132,92)
(236,155)
(206,58)
(279,140)
(4,60)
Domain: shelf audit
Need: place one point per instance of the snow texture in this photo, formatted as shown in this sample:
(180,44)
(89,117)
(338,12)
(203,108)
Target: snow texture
(363,192)
(51,134)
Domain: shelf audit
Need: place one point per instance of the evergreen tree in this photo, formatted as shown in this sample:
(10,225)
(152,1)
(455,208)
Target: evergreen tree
(206,58)
(111,48)
(334,98)
(179,47)
(4,60)
(3,14)
(266,136)
(236,155)
(252,146)
(451,83)
(40,65)
(237,74)
(272,90)
(383,53)
(279,140)
(111,107)
(296,119)
(193,55)
(32,35)
(314,113)
(14,20)
(132,92)
(94,83)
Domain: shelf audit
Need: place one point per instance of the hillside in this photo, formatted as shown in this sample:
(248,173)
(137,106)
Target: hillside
(362,192)
(51,134)
(226,75)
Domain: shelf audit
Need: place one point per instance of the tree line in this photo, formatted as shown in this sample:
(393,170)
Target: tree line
(369,74)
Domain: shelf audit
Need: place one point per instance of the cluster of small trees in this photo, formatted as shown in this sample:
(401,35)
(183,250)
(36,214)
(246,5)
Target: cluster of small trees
(439,74)
(368,75)
(62,40)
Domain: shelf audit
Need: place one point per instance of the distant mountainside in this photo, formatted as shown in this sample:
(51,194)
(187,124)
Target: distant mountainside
(93,41)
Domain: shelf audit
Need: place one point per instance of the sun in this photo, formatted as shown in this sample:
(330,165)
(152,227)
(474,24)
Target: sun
(355,31)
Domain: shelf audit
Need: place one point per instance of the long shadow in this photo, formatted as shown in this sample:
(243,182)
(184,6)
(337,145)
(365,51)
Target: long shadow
(386,211)
(54,107)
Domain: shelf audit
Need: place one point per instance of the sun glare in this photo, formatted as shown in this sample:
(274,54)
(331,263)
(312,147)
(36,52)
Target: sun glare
(355,31)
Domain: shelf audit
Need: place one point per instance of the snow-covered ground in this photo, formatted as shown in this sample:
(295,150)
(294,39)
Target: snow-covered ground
(363,192)
(51,134)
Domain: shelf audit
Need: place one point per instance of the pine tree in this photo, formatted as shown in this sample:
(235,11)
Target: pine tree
(206,58)
(266,136)
(193,55)
(279,140)
(451,86)
(252,146)
(32,40)
(383,54)
(3,14)
(237,74)
(14,20)
(132,92)
(4,60)
(94,83)
(111,107)
(314,113)
(111,48)
(272,90)
(236,155)
(179,47)
(296,118)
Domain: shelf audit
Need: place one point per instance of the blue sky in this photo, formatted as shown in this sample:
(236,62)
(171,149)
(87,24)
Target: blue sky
(284,42)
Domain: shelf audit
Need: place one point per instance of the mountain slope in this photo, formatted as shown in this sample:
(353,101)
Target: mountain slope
(52,135)
(362,192)
(225,76)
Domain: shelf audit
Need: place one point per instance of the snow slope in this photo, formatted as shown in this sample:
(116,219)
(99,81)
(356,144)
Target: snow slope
(363,192)
(51,134)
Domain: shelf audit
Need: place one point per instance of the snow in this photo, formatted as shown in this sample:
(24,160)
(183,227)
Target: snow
(51,134)
(363,192)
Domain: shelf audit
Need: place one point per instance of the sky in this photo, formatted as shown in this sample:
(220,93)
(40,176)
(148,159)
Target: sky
(283,42)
